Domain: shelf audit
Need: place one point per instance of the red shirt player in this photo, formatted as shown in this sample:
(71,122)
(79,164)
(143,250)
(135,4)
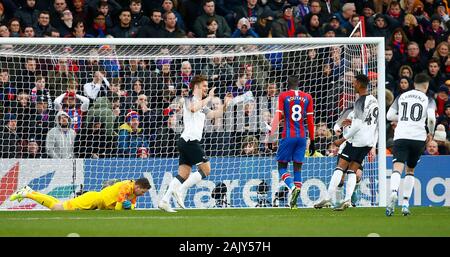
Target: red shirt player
(293,107)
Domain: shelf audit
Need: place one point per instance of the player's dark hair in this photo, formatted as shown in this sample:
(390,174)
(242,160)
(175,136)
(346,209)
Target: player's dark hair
(421,78)
(362,79)
(292,82)
(197,79)
(143,183)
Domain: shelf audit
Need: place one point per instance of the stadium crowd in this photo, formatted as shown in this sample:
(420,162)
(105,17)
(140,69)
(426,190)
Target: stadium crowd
(98,108)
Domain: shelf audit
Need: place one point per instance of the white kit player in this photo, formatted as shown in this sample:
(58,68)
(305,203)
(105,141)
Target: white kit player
(412,110)
(190,150)
(361,136)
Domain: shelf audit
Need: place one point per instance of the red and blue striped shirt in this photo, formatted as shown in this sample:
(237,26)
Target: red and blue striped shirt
(296,106)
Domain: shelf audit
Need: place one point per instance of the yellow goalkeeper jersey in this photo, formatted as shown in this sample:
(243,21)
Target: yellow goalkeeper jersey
(113,196)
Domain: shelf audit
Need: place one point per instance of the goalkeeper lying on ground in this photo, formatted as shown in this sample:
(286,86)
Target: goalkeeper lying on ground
(119,196)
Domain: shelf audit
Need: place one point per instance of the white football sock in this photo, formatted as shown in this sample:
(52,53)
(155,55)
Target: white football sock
(193,179)
(174,184)
(350,185)
(408,185)
(334,182)
(395,182)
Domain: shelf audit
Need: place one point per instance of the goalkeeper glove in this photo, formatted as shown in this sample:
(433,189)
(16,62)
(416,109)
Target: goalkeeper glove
(126,205)
(312,147)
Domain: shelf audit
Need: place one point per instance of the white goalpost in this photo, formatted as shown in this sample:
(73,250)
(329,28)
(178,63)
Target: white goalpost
(124,96)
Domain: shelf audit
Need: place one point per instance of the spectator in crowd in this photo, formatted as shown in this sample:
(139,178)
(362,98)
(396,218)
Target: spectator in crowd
(444,119)
(41,119)
(440,137)
(413,58)
(171,27)
(442,99)
(155,28)
(314,26)
(287,24)
(4,32)
(166,139)
(250,146)
(131,137)
(250,10)
(381,26)
(406,71)
(56,13)
(263,25)
(138,19)
(9,139)
(437,78)
(97,87)
(65,72)
(124,29)
(79,30)
(218,72)
(39,89)
(28,31)
(102,112)
(170,6)
(150,119)
(323,137)
(93,141)
(214,123)
(431,148)
(442,53)
(43,24)
(243,29)
(32,150)
(413,30)
(392,65)
(65,27)
(61,138)
(73,105)
(98,27)
(23,112)
(398,41)
(27,13)
(332,150)
(14,28)
(344,16)
(200,27)
(8,91)
(26,76)
(80,10)
(316,153)
(334,24)
(404,84)
(113,7)
(315,7)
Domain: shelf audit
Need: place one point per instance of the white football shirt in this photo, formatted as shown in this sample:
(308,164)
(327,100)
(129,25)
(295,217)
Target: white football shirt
(363,131)
(412,108)
(194,122)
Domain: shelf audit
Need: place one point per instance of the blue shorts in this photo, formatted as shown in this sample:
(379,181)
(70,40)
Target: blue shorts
(291,149)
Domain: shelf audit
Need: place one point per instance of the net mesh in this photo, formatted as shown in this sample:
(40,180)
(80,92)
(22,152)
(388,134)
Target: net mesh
(102,88)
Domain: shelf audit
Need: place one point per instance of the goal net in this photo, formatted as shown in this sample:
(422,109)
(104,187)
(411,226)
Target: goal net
(76,114)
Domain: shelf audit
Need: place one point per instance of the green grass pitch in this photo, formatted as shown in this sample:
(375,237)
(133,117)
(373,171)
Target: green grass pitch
(359,222)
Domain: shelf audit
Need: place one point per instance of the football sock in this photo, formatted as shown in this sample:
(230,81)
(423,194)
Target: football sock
(193,179)
(45,200)
(408,185)
(350,186)
(174,184)
(334,182)
(286,177)
(298,179)
(395,181)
